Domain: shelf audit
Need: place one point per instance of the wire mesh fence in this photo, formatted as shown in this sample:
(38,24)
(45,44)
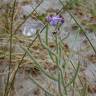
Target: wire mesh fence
(40,52)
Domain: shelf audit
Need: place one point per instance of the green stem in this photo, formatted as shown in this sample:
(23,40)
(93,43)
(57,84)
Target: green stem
(35,82)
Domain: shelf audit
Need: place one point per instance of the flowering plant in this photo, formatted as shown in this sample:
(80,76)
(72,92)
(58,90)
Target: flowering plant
(55,20)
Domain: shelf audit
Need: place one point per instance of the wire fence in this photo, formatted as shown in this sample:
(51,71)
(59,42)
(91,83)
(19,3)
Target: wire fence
(12,23)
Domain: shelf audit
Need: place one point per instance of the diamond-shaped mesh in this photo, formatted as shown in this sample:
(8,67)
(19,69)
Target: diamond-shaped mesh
(25,26)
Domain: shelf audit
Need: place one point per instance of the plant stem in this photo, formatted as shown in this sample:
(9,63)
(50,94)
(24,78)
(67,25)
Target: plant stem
(10,57)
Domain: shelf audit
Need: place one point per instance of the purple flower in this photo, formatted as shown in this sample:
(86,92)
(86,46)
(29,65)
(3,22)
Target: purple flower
(49,18)
(54,20)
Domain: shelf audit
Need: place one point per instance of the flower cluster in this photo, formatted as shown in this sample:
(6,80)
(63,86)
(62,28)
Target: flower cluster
(54,20)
